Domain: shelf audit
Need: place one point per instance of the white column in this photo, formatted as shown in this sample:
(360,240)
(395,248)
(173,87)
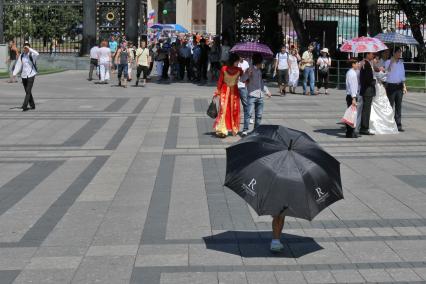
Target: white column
(189,13)
(153,5)
(182,13)
(211,16)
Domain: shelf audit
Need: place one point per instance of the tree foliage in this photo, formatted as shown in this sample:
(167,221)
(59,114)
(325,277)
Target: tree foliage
(41,21)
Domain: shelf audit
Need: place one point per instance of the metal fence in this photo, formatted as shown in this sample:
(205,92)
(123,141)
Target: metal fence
(53,27)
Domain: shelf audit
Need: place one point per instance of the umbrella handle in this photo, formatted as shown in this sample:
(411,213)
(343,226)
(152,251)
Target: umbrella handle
(291,144)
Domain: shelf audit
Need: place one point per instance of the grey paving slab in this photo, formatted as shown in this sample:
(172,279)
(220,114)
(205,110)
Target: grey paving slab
(116,105)
(22,184)
(183,278)
(261,277)
(188,186)
(104,269)
(45,276)
(128,217)
(86,132)
(119,135)
(42,228)
(8,276)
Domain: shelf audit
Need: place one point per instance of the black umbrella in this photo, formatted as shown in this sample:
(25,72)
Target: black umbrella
(281,170)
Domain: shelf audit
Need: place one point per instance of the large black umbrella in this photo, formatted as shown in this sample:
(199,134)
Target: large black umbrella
(279,170)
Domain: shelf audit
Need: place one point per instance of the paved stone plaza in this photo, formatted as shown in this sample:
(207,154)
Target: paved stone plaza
(105,185)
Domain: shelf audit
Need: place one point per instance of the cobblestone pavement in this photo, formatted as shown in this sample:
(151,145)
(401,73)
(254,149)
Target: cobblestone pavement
(105,185)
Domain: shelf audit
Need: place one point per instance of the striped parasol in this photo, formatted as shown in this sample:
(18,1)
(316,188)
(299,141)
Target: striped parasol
(397,38)
(363,45)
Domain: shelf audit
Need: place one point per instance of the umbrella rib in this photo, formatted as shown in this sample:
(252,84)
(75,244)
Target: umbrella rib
(301,176)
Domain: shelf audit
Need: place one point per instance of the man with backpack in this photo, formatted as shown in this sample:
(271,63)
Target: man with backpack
(26,65)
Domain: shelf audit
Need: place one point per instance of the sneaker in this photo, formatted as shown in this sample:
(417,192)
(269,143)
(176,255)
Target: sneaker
(276,247)
(244,134)
(251,121)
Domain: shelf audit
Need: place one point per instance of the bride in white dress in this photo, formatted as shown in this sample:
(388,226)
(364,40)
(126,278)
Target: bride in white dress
(382,119)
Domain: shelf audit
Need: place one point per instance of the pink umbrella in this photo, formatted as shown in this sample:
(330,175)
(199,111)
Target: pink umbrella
(249,48)
(363,45)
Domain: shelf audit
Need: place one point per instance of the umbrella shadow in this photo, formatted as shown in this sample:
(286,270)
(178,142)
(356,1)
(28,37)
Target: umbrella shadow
(256,244)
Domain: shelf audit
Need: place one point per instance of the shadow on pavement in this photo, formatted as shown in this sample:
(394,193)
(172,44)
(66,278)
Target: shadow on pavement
(337,132)
(256,244)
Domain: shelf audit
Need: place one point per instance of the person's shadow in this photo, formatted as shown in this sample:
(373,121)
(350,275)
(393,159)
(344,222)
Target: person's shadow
(338,132)
(256,244)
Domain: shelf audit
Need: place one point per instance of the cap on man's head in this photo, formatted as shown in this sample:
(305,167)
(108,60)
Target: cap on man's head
(27,44)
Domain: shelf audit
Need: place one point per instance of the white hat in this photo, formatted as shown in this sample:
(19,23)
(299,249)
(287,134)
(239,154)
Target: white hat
(324,50)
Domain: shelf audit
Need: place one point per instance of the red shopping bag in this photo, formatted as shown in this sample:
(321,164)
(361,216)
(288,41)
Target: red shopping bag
(350,116)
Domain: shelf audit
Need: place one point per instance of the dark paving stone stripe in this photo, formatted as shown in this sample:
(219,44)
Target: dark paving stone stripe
(220,216)
(239,211)
(145,276)
(8,276)
(116,105)
(140,106)
(172,133)
(17,188)
(156,221)
(205,132)
(84,134)
(267,268)
(416,181)
(201,105)
(176,105)
(37,234)
(119,135)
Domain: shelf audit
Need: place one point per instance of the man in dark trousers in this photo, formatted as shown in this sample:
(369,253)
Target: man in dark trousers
(204,60)
(367,92)
(26,65)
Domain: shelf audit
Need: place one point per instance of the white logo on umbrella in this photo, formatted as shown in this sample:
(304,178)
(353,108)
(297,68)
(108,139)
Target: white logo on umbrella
(249,189)
(322,196)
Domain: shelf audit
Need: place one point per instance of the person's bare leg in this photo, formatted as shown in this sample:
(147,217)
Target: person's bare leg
(277,227)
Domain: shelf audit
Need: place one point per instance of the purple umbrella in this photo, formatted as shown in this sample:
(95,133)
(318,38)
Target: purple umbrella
(247,49)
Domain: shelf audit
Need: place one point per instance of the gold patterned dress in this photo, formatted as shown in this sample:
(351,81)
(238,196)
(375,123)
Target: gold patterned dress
(228,119)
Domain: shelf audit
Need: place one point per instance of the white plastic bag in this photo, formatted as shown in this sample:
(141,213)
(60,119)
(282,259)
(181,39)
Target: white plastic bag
(350,116)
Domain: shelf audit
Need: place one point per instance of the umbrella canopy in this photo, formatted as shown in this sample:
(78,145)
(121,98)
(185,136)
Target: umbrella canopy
(363,45)
(281,170)
(175,27)
(397,38)
(156,26)
(247,49)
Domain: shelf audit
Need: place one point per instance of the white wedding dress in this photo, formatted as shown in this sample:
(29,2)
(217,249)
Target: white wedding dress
(382,119)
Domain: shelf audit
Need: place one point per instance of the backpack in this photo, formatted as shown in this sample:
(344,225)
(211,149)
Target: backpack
(32,61)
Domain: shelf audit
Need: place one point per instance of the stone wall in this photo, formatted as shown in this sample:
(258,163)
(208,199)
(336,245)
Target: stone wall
(66,62)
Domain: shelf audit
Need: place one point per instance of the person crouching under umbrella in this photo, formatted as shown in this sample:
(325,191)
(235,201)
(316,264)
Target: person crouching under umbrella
(277,228)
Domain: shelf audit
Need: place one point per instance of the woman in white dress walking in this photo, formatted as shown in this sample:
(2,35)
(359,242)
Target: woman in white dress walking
(293,65)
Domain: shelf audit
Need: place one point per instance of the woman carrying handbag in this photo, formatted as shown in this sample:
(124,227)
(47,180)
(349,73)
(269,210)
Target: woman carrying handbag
(228,118)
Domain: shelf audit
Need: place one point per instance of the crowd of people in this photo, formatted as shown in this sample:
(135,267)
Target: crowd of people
(189,56)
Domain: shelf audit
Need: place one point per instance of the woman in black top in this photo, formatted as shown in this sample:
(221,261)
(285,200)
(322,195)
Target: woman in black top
(11,61)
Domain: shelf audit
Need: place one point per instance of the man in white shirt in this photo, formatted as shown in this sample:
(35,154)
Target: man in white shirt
(26,65)
(395,87)
(93,61)
(281,69)
(244,65)
(352,92)
(142,61)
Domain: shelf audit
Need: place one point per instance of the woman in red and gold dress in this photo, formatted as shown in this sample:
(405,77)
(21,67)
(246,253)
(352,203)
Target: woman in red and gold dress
(228,119)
